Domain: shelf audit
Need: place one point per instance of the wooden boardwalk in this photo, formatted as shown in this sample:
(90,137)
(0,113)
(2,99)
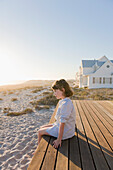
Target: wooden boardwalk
(90,149)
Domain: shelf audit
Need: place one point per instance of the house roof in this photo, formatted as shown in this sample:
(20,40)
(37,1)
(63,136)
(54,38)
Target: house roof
(90,63)
(104,58)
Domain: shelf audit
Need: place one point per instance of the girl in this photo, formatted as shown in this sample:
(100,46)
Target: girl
(64,127)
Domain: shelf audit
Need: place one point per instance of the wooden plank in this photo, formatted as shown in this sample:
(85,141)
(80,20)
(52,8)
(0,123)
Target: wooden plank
(104,113)
(101,116)
(98,157)
(86,158)
(74,154)
(105,148)
(110,102)
(62,157)
(106,109)
(100,125)
(49,161)
(74,159)
(108,106)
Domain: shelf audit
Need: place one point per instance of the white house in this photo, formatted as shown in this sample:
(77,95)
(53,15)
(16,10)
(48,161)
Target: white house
(95,73)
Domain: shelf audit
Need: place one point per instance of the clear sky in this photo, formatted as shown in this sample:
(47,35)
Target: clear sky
(47,39)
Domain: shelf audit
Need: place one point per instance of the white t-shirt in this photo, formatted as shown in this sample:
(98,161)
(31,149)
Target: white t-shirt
(65,114)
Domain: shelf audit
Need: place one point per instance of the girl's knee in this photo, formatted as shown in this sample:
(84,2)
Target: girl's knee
(40,131)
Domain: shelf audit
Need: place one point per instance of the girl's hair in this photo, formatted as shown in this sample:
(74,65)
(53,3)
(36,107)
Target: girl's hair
(59,84)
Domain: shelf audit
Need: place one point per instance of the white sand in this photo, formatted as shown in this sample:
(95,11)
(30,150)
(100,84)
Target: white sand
(18,134)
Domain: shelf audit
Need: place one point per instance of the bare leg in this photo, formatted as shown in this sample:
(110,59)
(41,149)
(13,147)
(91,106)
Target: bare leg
(41,132)
(39,138)
(49,125)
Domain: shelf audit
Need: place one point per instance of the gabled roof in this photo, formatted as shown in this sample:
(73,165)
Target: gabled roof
(90,63)
(104,58)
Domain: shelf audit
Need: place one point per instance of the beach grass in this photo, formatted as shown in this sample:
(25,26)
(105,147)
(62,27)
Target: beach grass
(38,89)
(27,110)
(42,107)
(92,94)
(10,92)
(14,99)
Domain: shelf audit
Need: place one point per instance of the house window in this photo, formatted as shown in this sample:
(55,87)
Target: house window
(103,80)
(107,80)
(93,80)
(97,80)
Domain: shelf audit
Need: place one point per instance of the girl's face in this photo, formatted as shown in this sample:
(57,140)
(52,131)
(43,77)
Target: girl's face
(59,94)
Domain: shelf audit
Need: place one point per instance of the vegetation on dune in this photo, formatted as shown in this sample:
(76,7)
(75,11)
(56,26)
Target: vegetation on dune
(38,89)
(46,100)
(27,110)
(14,99)
(46,92)
(10,92)
(6,109)
(98,97)
(92,94)
(42,107)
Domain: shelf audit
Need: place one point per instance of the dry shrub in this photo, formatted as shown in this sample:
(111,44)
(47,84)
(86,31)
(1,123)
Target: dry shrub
(84,93)
(11,92)
(6,109)
(98,97)
(94,94)
(48,100)
(27,110)
(42,107)
(38,89)
(14,99)
(46,92)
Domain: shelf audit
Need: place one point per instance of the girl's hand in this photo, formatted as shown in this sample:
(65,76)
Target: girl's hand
(56,143)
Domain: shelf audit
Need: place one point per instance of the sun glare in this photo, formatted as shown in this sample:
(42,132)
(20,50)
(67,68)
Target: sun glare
(7,70)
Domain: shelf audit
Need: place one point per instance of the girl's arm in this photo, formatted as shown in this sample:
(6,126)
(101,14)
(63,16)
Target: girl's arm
(61,130)
(57,142)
